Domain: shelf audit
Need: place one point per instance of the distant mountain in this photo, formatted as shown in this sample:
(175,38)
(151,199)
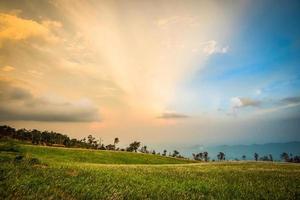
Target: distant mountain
(237,151)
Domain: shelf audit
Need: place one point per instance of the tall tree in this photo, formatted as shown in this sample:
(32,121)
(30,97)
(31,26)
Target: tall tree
(116,141)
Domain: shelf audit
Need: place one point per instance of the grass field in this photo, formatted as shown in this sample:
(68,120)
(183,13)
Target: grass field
(86,174)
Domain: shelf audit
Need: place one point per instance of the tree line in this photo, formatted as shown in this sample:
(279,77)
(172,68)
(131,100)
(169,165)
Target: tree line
(203,156)
(51,138)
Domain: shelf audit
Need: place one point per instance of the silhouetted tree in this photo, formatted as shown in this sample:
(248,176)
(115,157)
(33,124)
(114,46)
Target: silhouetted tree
(133,146)
(175,153)
(296,159)
(46,138)
(102,147)
(36,137)
(205,156)
(116,141)
(164,153)
(202,156)
(270,157)
(91,140)
(284,156)
(198,156)
(144,149)
(264,158)
(291,158)
(221,156)
(110,147)
(256,156)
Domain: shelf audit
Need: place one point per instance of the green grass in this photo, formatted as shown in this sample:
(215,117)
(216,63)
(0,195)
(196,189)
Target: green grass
(63,175)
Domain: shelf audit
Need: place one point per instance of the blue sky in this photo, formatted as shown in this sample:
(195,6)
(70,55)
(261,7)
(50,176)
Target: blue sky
(263,56)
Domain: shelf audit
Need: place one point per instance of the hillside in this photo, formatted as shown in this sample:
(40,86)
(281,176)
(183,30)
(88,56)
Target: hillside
(77,155)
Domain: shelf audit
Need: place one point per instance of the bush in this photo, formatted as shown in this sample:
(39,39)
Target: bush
(27,160)
(19,158)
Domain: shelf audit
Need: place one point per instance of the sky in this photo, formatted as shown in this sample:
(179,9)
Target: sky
(166,73)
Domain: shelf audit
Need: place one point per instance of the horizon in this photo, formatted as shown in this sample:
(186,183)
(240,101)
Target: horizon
(181,73)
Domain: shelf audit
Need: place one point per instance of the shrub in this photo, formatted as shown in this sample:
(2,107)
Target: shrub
(19,158)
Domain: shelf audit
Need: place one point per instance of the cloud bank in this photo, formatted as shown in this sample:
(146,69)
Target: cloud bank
(20,104)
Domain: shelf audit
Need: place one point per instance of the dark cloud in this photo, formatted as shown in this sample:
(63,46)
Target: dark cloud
(79,115)
(291,100)
(173,116)
(20,104)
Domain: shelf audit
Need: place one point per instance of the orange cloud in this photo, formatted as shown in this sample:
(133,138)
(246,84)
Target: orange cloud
(15,28)
(7,68)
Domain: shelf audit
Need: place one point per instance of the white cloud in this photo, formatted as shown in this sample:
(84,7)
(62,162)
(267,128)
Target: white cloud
(212,47)
(238,102)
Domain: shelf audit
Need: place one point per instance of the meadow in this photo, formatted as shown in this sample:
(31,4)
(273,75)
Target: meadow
(65,173)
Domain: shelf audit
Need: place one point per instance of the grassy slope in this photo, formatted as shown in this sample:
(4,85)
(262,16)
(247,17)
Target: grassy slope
(52,155)
(84,180)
